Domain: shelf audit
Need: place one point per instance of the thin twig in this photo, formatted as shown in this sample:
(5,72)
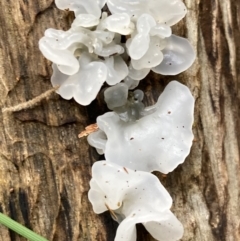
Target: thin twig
(111,211)
(31,103)
(88,130)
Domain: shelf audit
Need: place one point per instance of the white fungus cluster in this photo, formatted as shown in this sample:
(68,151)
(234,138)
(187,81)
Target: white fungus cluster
(156,138)
(159,141)
(133,197)
(119,46)
(125,44)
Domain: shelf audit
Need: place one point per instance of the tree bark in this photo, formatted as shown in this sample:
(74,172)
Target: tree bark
(45,169)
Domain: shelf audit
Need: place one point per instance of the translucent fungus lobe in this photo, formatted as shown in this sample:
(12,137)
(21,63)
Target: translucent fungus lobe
(133,197)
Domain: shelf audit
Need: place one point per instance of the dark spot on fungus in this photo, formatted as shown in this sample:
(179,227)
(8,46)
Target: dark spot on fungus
(169,112)
(131,138)
(125,169)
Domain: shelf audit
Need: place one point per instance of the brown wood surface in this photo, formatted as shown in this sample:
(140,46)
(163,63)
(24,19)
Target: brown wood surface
(45,169)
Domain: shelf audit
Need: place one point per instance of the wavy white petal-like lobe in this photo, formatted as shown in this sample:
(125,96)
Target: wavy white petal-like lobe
(69,40)
(167,11)
(85,84)
(163,11)
(97,197)
(64,59)
(135,74)
(162,226)
(125,190)
(138,45)
(126,6)
(98,139)
(85,20)
(104,36)
(161,30)
(57,78)
(90,81)
(133,197)
(117,69)
(119,23)
(81,6)
(152,58)
(178,56)
(110,49)
(144,23)
(161,140)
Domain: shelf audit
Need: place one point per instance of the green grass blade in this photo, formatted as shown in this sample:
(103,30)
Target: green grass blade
(20,229)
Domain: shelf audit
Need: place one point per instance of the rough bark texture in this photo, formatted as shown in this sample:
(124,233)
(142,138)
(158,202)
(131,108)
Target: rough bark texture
(45,168)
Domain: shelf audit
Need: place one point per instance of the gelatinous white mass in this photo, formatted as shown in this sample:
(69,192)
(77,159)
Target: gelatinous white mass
(116,96)
(85,20)
(127,104)
(117,69)
(164,11)
(140,27)
(133,197)
(160,140)
(118,23)
(82,6)
(86,83)
(63,47)
(178,56)
(139,43)
(152,46)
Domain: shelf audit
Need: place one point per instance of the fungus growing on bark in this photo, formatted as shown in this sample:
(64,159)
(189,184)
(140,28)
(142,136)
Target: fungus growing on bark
(159,141)
(133,197)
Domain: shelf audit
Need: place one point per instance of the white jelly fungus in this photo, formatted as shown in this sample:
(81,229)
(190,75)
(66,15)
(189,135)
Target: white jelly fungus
(160,140)
(138,29)
(81,6)
(120,46)
(86,83)
(168,12)
(127,104)
(178,56)
(133,197)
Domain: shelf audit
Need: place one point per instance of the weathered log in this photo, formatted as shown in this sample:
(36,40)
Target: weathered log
(45,169)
